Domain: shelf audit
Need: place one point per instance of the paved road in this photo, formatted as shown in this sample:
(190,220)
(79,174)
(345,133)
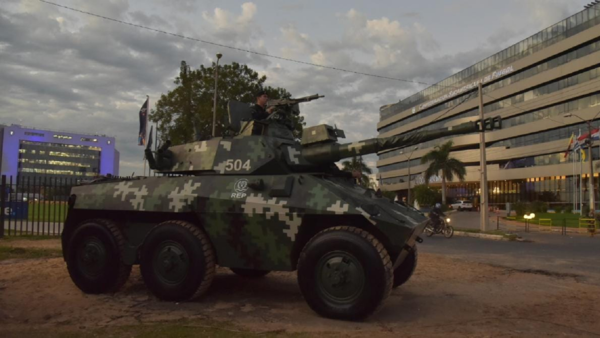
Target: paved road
(548,252)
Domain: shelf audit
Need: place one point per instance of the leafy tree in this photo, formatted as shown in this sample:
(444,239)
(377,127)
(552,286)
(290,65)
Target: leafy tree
(357,164)
(441,163)
(186,112)
(425,195)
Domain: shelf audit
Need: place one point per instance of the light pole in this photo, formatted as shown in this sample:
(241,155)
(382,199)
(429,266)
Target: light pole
(408,161)
(215,100)
(589,142)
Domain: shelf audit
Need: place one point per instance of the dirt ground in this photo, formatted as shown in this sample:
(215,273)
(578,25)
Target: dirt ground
(445,297)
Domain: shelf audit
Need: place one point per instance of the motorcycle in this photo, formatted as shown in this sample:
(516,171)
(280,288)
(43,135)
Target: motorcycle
(444,228)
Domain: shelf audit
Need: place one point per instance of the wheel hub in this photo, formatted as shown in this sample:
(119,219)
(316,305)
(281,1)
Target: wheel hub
(171,262)
(340,277)
(92,257)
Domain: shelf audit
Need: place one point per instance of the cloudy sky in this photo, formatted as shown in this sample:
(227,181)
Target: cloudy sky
(64,70)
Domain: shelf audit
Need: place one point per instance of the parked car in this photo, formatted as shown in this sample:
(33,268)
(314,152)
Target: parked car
(462,205)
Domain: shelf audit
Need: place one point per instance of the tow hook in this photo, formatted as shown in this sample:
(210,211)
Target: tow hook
(419,239)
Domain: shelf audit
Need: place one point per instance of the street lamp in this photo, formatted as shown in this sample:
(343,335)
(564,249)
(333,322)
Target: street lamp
(215,100)
(589,142)
(408,160)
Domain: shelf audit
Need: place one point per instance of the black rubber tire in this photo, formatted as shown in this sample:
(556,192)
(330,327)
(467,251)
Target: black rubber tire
(403,272)
(197,252)
(459,209)
(448,232)
(429,230)
(103,238)
(249,273)
(373,259)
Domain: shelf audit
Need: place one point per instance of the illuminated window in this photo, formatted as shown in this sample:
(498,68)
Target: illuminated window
(63,137)
(89,139)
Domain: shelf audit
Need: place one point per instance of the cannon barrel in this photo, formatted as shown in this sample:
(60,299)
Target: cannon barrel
(333,152)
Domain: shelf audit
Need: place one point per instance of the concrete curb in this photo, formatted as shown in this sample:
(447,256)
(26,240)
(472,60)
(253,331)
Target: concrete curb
(485,236)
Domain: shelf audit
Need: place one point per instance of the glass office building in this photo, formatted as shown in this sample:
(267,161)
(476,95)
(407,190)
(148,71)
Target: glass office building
(533,85)
(28,152)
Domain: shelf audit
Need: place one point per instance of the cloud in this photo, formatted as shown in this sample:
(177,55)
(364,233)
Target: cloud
(229,26)
(70,71)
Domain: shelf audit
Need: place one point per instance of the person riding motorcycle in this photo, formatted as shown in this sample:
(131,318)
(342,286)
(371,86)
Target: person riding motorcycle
(436,214)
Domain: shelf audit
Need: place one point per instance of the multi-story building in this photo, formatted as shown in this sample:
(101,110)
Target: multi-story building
(542,87)
(27,152)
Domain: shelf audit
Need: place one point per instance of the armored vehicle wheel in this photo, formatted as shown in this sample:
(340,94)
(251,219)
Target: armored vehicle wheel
(345,273)
(249,273)
(95,257)
(177,261)
(405,270)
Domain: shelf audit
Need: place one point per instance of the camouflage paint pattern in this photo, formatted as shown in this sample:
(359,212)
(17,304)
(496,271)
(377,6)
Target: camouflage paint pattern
(247,226)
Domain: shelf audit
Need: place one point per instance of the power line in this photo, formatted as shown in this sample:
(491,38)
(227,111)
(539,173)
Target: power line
(239,49)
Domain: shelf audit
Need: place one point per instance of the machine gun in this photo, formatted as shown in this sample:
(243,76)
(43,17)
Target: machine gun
(291,105)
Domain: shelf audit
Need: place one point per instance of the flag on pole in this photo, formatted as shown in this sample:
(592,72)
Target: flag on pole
(596,134)
(570,145)
(143,122)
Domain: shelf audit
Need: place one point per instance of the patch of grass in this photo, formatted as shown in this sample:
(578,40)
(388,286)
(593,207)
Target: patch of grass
(47,211)
(510,236)
(178,329)
(17,235)
(7,252)
(572,220)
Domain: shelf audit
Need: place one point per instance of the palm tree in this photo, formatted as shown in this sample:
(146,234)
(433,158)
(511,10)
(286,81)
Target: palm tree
(357,164)
(440,161)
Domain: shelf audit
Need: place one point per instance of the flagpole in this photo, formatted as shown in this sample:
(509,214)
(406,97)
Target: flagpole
(580,178)
(573,181)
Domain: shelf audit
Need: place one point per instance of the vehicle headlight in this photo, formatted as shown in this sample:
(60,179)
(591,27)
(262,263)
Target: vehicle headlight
(447,220)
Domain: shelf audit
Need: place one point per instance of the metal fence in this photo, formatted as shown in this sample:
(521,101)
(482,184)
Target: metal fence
(561,223)
(34,205)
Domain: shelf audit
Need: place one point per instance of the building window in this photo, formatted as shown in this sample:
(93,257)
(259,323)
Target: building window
(85,139)
(30,133)
(63,137)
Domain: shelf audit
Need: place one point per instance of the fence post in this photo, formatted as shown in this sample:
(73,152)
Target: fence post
(497,222)
(2,205)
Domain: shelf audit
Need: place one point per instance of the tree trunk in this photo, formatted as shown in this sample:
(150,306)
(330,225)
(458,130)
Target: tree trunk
(443,189)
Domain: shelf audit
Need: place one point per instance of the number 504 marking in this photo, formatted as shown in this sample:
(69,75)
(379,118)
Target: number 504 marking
(237,165)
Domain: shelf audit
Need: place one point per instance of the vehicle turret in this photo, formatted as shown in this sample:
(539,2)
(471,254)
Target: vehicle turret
(268,147)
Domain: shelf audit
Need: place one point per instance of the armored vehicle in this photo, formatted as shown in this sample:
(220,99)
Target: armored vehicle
(258,201)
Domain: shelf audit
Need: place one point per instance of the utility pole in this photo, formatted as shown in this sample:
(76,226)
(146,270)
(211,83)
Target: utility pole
(408,161)
(483,195)
(215,100)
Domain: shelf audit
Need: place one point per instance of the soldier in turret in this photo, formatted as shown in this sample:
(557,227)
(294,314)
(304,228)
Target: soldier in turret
(258,110)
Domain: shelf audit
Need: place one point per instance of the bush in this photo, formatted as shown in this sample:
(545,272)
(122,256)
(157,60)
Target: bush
(569,209)
(425,195)
(520,209)
(539,206)
(558,208)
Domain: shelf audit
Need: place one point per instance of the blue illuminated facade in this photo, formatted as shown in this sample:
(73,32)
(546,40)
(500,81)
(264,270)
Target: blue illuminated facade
(28,152)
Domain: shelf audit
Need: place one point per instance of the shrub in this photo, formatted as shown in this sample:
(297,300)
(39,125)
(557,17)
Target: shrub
(520,209)
(539,206)
(558,208)
(569,209)
(425,195)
